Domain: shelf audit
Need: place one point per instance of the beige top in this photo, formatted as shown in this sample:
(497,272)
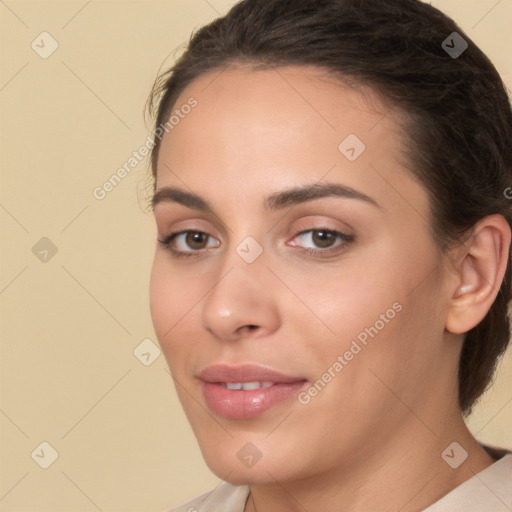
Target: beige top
(488,491)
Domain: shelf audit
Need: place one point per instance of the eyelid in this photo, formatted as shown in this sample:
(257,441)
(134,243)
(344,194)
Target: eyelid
(319,221)
(197,221)
(310,224)
(343,240)
(183,223)
(167,241)
(176,234)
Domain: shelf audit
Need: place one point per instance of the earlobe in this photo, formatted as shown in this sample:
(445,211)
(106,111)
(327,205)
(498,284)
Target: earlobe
(480,271)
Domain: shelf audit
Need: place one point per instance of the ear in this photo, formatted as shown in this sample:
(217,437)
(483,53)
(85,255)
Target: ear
(480,268)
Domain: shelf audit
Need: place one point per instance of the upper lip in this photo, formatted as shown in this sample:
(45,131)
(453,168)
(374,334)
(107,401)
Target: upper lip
(244,373)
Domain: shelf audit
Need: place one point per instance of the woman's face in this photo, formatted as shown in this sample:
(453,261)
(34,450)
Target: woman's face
(302,308)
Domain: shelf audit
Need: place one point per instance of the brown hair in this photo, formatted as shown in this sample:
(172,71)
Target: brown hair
(459,133)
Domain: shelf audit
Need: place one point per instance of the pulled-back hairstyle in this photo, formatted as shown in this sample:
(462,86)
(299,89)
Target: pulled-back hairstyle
(458,129)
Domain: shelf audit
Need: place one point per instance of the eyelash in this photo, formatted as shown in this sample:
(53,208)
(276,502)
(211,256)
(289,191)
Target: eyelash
(166,242)
(346,239)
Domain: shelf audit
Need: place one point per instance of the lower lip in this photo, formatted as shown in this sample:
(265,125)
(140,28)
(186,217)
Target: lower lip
(241,404)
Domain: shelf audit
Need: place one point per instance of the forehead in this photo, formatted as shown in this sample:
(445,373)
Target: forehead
(255,106)
(276,126)
(294,96)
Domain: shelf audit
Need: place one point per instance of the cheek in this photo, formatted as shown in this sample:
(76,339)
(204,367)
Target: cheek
(389,337)
(160,299)
(376,309)
(175,306)
(172,294)
(343,302)
(168,304)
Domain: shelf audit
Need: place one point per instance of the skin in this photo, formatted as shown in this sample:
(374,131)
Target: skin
(372,438)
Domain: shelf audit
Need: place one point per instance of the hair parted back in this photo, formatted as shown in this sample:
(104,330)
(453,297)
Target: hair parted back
(458,131)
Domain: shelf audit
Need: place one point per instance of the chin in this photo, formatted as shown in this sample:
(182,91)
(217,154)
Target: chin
(240,462)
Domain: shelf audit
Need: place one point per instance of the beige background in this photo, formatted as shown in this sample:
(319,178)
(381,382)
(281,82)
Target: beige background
(70,324)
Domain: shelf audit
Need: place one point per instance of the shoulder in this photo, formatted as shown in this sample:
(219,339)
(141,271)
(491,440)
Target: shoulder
(231,497)
(489,490)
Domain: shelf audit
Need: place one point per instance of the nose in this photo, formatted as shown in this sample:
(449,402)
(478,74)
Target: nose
(241,304)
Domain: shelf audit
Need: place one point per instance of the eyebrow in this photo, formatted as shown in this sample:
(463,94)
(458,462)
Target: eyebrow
(276,201)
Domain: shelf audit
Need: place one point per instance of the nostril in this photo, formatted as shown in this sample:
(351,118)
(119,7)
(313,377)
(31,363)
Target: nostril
(247,328)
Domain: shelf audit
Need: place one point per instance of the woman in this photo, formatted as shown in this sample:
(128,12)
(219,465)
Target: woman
(331,278)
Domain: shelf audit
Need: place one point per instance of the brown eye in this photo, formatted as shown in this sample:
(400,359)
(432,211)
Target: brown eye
(323,238)
(189,243)
(196,240)
(322,241)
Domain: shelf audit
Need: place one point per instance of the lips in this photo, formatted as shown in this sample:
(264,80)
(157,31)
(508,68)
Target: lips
(246,391)
(244,373)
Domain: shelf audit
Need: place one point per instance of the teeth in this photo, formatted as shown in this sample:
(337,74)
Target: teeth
(250,385)
(247,386)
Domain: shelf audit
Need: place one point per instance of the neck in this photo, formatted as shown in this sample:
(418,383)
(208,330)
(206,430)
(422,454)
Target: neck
(406,474)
